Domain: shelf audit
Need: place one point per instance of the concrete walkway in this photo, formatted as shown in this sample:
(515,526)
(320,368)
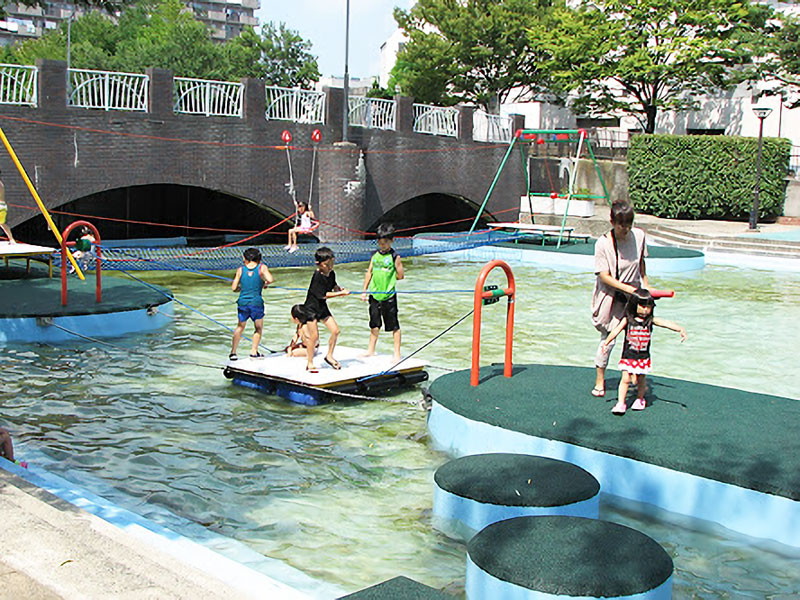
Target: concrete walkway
(51,549)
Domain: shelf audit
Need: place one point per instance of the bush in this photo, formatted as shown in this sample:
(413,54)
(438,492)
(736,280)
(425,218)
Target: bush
(706,176)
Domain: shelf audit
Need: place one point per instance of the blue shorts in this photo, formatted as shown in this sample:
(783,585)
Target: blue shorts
(250,311)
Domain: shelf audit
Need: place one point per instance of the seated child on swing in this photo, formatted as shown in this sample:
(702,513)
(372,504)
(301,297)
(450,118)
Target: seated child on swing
(635,362)
(306,338)
(306,225)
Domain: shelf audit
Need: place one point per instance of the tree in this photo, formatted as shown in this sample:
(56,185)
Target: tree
(472,51)
(279,56)
(783,64)
(165,34)
(645,56)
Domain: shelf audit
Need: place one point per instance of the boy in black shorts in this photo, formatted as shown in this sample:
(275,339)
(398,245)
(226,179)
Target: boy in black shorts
(323,286)
(385,268)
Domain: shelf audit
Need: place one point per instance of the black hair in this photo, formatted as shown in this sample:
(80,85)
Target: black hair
(622,212)
(252,255)
(640,297)
(302,204)
(322,254)
(301,313)
(385,231)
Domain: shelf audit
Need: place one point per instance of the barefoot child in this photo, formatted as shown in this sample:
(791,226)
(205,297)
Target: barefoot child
(323,286)
(635,362)
(384,270)
(306,337)
(249,281)
(305,226)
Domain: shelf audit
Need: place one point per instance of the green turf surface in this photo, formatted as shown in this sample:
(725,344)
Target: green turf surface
(516,480)
(587,248)
(37,297)
(571,556)
(399,588)
(737,437)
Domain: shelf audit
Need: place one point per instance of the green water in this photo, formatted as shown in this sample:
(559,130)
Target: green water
(343,492)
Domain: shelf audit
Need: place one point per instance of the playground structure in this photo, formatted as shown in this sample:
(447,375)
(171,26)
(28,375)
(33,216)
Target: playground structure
(489,294)
(542,137)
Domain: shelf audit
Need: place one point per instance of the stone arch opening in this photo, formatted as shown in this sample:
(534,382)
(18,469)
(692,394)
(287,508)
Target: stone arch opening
(205,217)
(433,212)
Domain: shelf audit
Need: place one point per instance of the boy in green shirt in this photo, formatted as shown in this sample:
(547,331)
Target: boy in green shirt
(385,269)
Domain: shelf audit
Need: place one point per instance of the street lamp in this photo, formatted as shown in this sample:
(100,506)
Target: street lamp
(762,112)
(346,111)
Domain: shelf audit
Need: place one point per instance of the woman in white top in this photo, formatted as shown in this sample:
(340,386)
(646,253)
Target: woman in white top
(619,265)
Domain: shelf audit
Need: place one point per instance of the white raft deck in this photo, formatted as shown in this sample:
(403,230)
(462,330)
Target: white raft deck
(10,250)
(360,375)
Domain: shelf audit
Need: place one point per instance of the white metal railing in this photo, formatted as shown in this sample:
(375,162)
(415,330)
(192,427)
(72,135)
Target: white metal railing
(436,120)
(491,128)
(107,90)
(18,85)
(294,104)
(373,113)
(208,97)
(605,137)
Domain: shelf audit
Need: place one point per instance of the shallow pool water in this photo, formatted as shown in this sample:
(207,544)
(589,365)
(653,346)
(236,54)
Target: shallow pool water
(343,492)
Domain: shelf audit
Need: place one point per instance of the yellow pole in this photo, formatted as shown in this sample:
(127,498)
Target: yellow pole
(35,195)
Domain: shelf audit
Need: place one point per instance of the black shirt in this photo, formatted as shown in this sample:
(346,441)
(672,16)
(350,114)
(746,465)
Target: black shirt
(315,298)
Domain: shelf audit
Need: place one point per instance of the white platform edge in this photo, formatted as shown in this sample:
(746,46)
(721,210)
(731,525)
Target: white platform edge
(750,512)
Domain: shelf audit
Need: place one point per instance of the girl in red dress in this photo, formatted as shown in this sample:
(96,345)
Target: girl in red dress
(635,362)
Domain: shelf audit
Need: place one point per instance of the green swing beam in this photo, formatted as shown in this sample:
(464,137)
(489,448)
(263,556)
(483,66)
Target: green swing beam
(557,137)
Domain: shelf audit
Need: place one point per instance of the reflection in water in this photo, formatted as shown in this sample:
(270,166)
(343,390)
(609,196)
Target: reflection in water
(344,492)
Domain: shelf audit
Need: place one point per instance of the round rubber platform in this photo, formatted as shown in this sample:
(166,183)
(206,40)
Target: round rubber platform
(551,556)
(478,490)
(516,480)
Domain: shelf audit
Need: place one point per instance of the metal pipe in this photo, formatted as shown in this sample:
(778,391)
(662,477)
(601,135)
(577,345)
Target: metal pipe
(346,111)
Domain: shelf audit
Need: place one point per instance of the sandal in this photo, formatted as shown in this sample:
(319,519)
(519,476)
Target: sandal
(333,363)
(313,369)
(598,393)
(257,355)
(639,404)
(232,356)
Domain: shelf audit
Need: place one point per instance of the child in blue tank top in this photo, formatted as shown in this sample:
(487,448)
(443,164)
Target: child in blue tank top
(249,281)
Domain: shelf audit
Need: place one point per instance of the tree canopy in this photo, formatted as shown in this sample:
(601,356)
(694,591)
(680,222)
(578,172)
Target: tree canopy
(474,51)
(642,57)
(165,34)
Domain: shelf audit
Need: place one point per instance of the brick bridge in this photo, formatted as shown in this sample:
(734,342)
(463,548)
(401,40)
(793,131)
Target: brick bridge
(109,162)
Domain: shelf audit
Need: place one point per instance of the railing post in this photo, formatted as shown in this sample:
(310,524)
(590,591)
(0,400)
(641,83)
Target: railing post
(254,100)
(160,96)
(333,110)
(404,118)
(466,116)
(52,84)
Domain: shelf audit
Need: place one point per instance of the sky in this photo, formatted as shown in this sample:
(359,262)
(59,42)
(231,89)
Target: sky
(322,22)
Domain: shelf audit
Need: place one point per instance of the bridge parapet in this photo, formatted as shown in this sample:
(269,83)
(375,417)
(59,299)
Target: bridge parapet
(158,92)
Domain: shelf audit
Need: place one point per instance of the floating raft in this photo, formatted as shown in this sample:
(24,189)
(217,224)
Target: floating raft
(360,376)
(718,454)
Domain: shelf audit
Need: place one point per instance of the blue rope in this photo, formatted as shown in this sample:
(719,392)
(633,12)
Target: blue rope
(425,345)
(199,312)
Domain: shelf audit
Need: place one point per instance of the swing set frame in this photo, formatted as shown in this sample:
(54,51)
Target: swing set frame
(524,137)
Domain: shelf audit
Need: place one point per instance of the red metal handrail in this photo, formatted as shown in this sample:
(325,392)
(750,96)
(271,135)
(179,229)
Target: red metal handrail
(97,266)
(481,295)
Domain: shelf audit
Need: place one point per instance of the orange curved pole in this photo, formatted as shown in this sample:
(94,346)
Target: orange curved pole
(65,253)
(480,296)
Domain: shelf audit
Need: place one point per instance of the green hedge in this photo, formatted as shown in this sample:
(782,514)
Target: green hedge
(706,176)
